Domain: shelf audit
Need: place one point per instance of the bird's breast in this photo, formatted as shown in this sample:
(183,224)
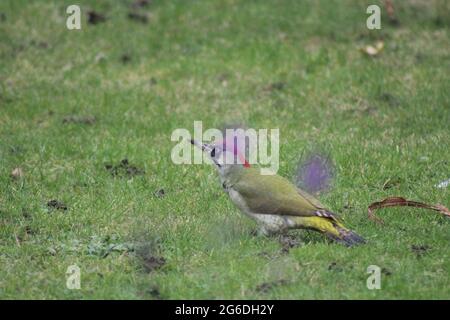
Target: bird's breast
(238,200)
(273,222)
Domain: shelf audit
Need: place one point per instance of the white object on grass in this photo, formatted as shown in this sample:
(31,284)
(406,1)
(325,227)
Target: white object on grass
(443,184)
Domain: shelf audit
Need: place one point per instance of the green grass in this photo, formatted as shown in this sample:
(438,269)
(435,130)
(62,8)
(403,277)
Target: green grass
(380,119)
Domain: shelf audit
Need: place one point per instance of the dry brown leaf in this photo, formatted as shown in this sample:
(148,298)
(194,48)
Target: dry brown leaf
(17,173)
(389,8)
(391,13)
(402,202)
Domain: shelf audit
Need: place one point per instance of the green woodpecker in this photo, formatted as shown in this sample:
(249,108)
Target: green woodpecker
(274,202)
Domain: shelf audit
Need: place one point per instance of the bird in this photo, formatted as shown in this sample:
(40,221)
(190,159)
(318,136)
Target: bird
(273,201)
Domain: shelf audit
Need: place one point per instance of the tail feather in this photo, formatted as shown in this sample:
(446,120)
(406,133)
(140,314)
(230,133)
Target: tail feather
(346,237)
(334,229)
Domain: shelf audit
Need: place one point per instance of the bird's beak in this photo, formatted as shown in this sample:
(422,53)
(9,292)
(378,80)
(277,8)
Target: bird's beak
(205,147)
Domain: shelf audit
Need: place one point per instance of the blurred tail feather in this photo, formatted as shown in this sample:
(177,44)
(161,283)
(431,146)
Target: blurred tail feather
(334,229)
(346,237)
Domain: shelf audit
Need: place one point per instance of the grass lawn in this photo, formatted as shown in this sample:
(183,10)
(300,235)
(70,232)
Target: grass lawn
(74,104)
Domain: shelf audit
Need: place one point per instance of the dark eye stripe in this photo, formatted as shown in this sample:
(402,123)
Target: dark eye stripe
(213,152)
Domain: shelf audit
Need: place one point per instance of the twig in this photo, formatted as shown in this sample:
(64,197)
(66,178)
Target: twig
(402,202)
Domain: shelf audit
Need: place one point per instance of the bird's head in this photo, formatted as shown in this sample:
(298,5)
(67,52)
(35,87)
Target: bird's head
(226,156)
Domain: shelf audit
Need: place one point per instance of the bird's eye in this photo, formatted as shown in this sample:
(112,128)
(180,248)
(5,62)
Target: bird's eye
(213,152)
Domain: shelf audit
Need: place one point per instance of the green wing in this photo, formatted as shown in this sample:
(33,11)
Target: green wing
(311,199)
(272,194)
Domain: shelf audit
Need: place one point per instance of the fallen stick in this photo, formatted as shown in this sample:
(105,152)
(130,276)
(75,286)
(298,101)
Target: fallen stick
(402,202)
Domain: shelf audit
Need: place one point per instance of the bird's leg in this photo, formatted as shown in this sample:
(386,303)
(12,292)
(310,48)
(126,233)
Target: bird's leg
(268,231)
(264,231)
